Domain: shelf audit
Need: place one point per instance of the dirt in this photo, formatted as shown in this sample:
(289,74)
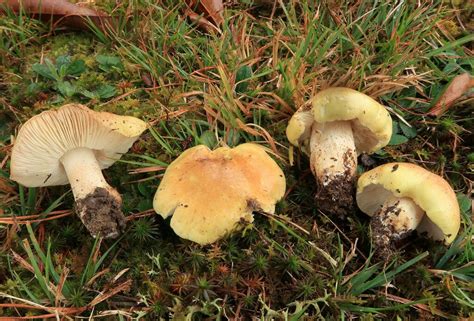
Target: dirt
(101,213)
(335,194)
(384,235)
(253,205)
(336,197)
(367,161)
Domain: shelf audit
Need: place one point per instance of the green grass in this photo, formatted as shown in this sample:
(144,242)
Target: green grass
(228,88)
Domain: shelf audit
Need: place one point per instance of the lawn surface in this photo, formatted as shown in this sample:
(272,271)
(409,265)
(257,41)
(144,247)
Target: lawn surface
(239,85)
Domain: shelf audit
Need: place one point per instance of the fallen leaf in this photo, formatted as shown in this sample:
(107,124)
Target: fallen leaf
(457,88)
(212,9)
(60,13)
(208,14)
(202,22)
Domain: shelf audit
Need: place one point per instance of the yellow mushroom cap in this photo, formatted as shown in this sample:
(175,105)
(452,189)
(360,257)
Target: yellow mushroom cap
(429,191)
(371,123)
(299,127)
(45,138)
(209,192)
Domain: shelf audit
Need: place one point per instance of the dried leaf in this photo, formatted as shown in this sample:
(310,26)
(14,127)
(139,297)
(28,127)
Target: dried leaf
(458,87)
(60,12)
(207,13)
(202,22)
(212,9)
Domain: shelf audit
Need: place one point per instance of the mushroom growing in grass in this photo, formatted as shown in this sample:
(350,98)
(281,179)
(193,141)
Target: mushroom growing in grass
(72,145)
(402,197)
(209,193)
(340,124)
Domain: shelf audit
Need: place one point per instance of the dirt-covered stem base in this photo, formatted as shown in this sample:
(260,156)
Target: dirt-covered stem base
(101,213)
(397,218)
(334,163)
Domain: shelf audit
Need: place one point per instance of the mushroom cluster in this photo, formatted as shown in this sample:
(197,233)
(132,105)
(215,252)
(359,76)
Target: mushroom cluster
(340,124)
(72,145)
(208,193)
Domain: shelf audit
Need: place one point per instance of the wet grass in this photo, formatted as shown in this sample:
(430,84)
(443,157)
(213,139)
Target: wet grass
(232,87)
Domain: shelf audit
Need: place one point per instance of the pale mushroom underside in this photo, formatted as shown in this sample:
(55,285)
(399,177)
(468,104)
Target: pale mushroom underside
(45,138)
(427,190)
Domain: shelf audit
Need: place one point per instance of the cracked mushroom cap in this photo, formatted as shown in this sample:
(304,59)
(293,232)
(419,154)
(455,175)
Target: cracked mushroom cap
(45,138)
(210,192)
(429,191)
(371,122)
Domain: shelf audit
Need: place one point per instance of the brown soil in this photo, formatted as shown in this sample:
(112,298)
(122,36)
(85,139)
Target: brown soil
(253,205)
(101,213)
(381,237)
(335,194)
(384,235)
(336,197)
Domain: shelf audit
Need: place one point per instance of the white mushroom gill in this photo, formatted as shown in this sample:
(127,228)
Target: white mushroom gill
(71,145)
(402,197)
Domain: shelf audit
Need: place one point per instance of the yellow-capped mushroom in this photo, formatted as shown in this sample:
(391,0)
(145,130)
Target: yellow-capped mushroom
(340,124)
(210,192)
(402,197)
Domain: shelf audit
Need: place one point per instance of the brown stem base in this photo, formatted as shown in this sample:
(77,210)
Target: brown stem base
(100,211)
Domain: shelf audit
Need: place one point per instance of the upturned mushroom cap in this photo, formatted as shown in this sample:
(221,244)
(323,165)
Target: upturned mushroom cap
(210,192)
(299,126)
(429,191)
(370,121)
(45,138)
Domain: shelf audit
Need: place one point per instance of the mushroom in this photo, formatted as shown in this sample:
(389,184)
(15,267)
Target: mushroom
(72,145)
(210,192)
(340,124)
(402,197)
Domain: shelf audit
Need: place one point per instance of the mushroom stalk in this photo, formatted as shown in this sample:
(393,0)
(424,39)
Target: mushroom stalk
(83,172)
(97,203)
(334,163)
(394,221)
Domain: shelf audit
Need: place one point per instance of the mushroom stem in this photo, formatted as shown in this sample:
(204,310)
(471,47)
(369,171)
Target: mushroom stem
(394,221)
(83,172)
(97,203)
(334,163)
